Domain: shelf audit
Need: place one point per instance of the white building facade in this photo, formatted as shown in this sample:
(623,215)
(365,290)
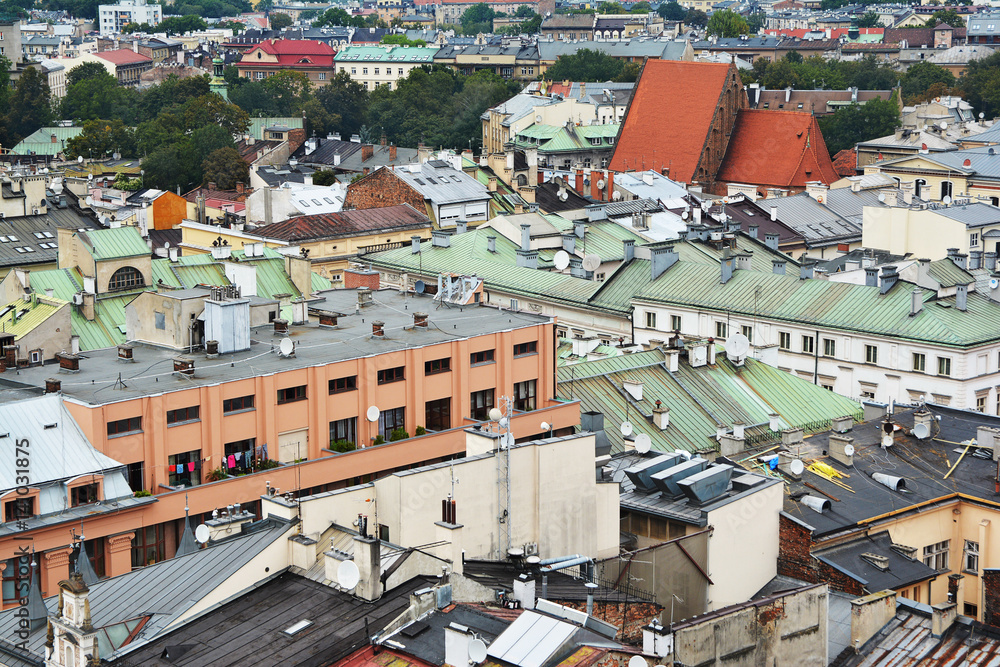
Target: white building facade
(112,18)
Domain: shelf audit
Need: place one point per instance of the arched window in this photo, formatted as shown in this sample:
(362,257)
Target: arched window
(127,277)
(945,189)
(522,180)
(918,187)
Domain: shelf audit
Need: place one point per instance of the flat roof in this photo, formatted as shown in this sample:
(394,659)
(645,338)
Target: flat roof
(103,379)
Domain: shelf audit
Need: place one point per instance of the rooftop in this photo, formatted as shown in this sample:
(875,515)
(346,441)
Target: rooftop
(345,223)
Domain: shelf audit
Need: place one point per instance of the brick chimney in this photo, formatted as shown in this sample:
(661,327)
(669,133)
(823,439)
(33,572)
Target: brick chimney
(392,151)
(367,151)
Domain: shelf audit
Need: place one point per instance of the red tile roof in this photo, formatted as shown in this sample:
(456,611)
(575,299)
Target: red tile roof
(289,52)
(845,163)
(776,149)
(123,57)
(670,117)
(345,223)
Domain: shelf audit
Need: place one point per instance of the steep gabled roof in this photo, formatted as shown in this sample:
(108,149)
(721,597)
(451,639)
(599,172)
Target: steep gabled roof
(346,223)
(776,148)
(653,135)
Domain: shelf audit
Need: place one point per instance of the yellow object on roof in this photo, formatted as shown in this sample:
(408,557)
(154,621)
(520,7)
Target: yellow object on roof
(21,317)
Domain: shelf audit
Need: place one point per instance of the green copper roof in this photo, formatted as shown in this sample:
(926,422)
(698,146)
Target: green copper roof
(40,141)
(949,274)
(115,243)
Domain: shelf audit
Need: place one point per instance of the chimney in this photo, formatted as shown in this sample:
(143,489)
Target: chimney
(89,306)
(68,363)
(889,278)
(661,416)
(367,151)
(378,328)
(744,261)
(672,359)
(629,247)
(806,270)
(752,230)
(990,260)
(184,366)
(961,297)
(440,239)
(727,268)
(871,276)
(491,184)
(52,385)
(778,266)
(527,259)
(172,253)
(856,184)
(420,320)
(280,326)
(525,237)
(837,448)
(578,185)
(579,228)
(414,244)
(392,152)
(975,259)
(774,214)
(569,243)
(368,558)
(461,227)
(661,259)
(943,616)
(491,244)
(916,301)
(771,241)
(869,614)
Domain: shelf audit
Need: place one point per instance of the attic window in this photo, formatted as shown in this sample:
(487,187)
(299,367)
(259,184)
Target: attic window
(293,630)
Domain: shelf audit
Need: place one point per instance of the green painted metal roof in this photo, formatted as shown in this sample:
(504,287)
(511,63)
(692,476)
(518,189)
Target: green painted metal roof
(257,125)
(699,399)
(949,274)
(115,243)
(40,141)
(603,238)
(559,138)
(387,54)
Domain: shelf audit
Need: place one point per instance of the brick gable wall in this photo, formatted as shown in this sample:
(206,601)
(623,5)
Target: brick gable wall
(795,560)
(382,188)
(731,100)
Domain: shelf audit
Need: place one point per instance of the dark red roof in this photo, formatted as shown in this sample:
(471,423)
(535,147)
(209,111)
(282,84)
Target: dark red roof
(123,57)
(782,149)
(670,117)
(292,52)
(344,223)
(845,163)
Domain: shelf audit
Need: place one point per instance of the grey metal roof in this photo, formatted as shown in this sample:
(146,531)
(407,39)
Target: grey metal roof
(24,228)
(814,221)
(635,47)
(443,184)
(164,590)
(981,162)
(976,214)
(901,570)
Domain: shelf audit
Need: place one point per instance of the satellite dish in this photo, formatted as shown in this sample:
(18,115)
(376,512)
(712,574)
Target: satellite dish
(637,661)
(684,215)
(419,287)
(201,533)
(887,441)
(737,345)
(495,414)
(943,125)
(626,428)
(591,262)
(477,650)
(286,347)
(643,443)
(946,200)
(616,195)
(545,426)
(372,414)
(538,118)
(601,184)
(796,466)
(166,245)
(348,575)
(881,196)
(994,283)
(564,196)
(79,160)
(700,355)
(561,260)
(921,431)
(849,450)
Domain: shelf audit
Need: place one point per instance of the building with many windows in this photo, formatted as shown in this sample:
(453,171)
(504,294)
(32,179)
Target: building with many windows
(375,66)
(113,18)
(306,56)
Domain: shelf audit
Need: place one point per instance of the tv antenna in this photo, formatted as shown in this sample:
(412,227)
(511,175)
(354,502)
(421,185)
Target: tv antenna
(500,415)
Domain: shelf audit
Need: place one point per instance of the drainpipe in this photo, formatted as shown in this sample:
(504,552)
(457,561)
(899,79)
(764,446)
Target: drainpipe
(816,355)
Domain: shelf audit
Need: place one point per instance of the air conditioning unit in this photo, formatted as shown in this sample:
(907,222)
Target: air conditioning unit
(531,549)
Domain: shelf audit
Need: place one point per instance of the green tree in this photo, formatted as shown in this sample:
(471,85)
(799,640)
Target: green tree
(756,21)
(585,65)
(640,8)
(727,23)
(92,98)
(213,110)
(346,98)
(859,122)
(919,78)
(611,8)
(225,168)
(869,20)
(30,105)
(980,84)
(696,18)
(210,138)
(280,20)
(671,11)
(178,25)
(85,71)
(780,75)
(324,177)
(402,40)
(102,137)
(333,16)
(477,18)
(525,12)
(171,166)
(948,16)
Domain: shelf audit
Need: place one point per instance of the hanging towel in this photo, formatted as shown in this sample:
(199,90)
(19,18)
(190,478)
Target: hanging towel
(190,466)
(238,455)
(231,461)
(180,468)
(265,450)
(197,464)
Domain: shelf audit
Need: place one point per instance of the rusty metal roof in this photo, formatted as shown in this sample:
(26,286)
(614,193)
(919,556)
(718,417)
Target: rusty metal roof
(907,640)
(345,223)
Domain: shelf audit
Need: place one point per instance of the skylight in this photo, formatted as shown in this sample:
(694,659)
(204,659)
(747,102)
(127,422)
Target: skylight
(293,630)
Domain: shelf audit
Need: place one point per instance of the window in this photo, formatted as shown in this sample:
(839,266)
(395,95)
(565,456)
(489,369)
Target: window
(936,555)
(970,610)
(748,332)
(391,375)
(437,414)
(364,70)
(522,349)
(944,366)
(340,385)
(945,189)
(970,562)
(19,508)
(784,340)
(721,330)
(84,495)
(376,71)
(675,322)
(136,478)
(871,354)
(481,402)
(322,76)
(650,320)
(95,552)
(159,320)
(524,395)
(344,429)
(390,420)
(919,362)
(184,469)
(126,277)
(974,240)
(242,452)
(124,426)
(148,546)
(183,415)
(437,366)
(829,347)
(238,404)
(981,402)
(483,357)
(292,394)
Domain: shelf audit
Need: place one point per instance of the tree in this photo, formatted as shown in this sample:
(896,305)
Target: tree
(756,21)
(333,16)
(402,40)
(30,105)
(477,18)
(920,78)
(235,26)
(947,16)
(178,25)
(525,12)
(585,65)
(727,23)
(211,109)
(346,98)
(980,84)
(324,177)
(671,11)
(85,71)
(869,20)
(94,97)
(779,75)
(610,8)
(696,18)
(102,137)
(859,122)
(225,168)
(640,8)
(280,21)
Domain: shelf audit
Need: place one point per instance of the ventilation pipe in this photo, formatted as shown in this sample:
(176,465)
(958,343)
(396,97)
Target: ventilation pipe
(491,244)
(916,301)
(961,297)
(894,483)
(414,244)
(525,237)
(816,504)
(752,229)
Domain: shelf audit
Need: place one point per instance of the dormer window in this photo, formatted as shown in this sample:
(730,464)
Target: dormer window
(87,494)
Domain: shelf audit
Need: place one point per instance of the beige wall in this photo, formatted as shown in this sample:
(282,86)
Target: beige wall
(51,336)
(140,319)
(922,233)
(33,188)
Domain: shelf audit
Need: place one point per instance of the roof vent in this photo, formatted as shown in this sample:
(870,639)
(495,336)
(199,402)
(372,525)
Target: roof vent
(69,363)
(328,320)
(125,353)
(666,480)
(52,385)
(420,320)
(280,327)
(707,485)
(211,349)
(184,366)
(378,328)
(642,473)
(894,483)
(842,424)
(295,629)
(881,562)
(816,504)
